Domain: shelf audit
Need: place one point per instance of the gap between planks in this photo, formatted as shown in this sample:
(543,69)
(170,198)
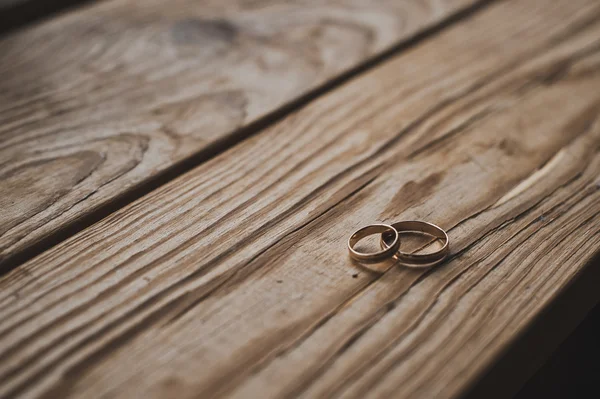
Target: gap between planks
(15,14)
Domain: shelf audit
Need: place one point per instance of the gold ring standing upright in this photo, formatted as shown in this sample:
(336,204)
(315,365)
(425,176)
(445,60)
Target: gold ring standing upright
(416,226)
(386,252)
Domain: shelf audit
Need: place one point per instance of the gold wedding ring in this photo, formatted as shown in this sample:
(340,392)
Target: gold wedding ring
(391,246)
(415,226)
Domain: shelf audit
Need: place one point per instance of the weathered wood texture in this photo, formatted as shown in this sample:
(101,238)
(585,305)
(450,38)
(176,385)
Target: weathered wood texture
(234,278)
(98,101)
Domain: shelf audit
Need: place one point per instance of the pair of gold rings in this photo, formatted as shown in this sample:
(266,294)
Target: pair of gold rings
(390,243)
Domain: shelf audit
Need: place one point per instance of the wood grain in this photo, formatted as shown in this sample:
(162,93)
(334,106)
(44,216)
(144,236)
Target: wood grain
(100,101)
(234,279)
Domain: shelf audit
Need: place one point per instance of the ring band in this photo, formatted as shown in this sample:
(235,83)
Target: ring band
(391,246)
(421,260)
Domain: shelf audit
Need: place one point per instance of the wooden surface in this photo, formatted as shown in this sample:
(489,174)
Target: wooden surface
(233,279)
(100,101)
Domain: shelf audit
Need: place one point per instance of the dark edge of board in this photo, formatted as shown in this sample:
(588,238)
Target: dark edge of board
(535,346)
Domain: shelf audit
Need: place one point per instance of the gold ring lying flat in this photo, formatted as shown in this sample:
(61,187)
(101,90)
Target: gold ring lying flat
(420,260)
(391,246)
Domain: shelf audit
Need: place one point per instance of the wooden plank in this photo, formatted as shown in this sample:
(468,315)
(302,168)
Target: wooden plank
(234,278)
(103,100)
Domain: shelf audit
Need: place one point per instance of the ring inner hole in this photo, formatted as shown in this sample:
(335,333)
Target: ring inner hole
(416,242)
(370,244)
